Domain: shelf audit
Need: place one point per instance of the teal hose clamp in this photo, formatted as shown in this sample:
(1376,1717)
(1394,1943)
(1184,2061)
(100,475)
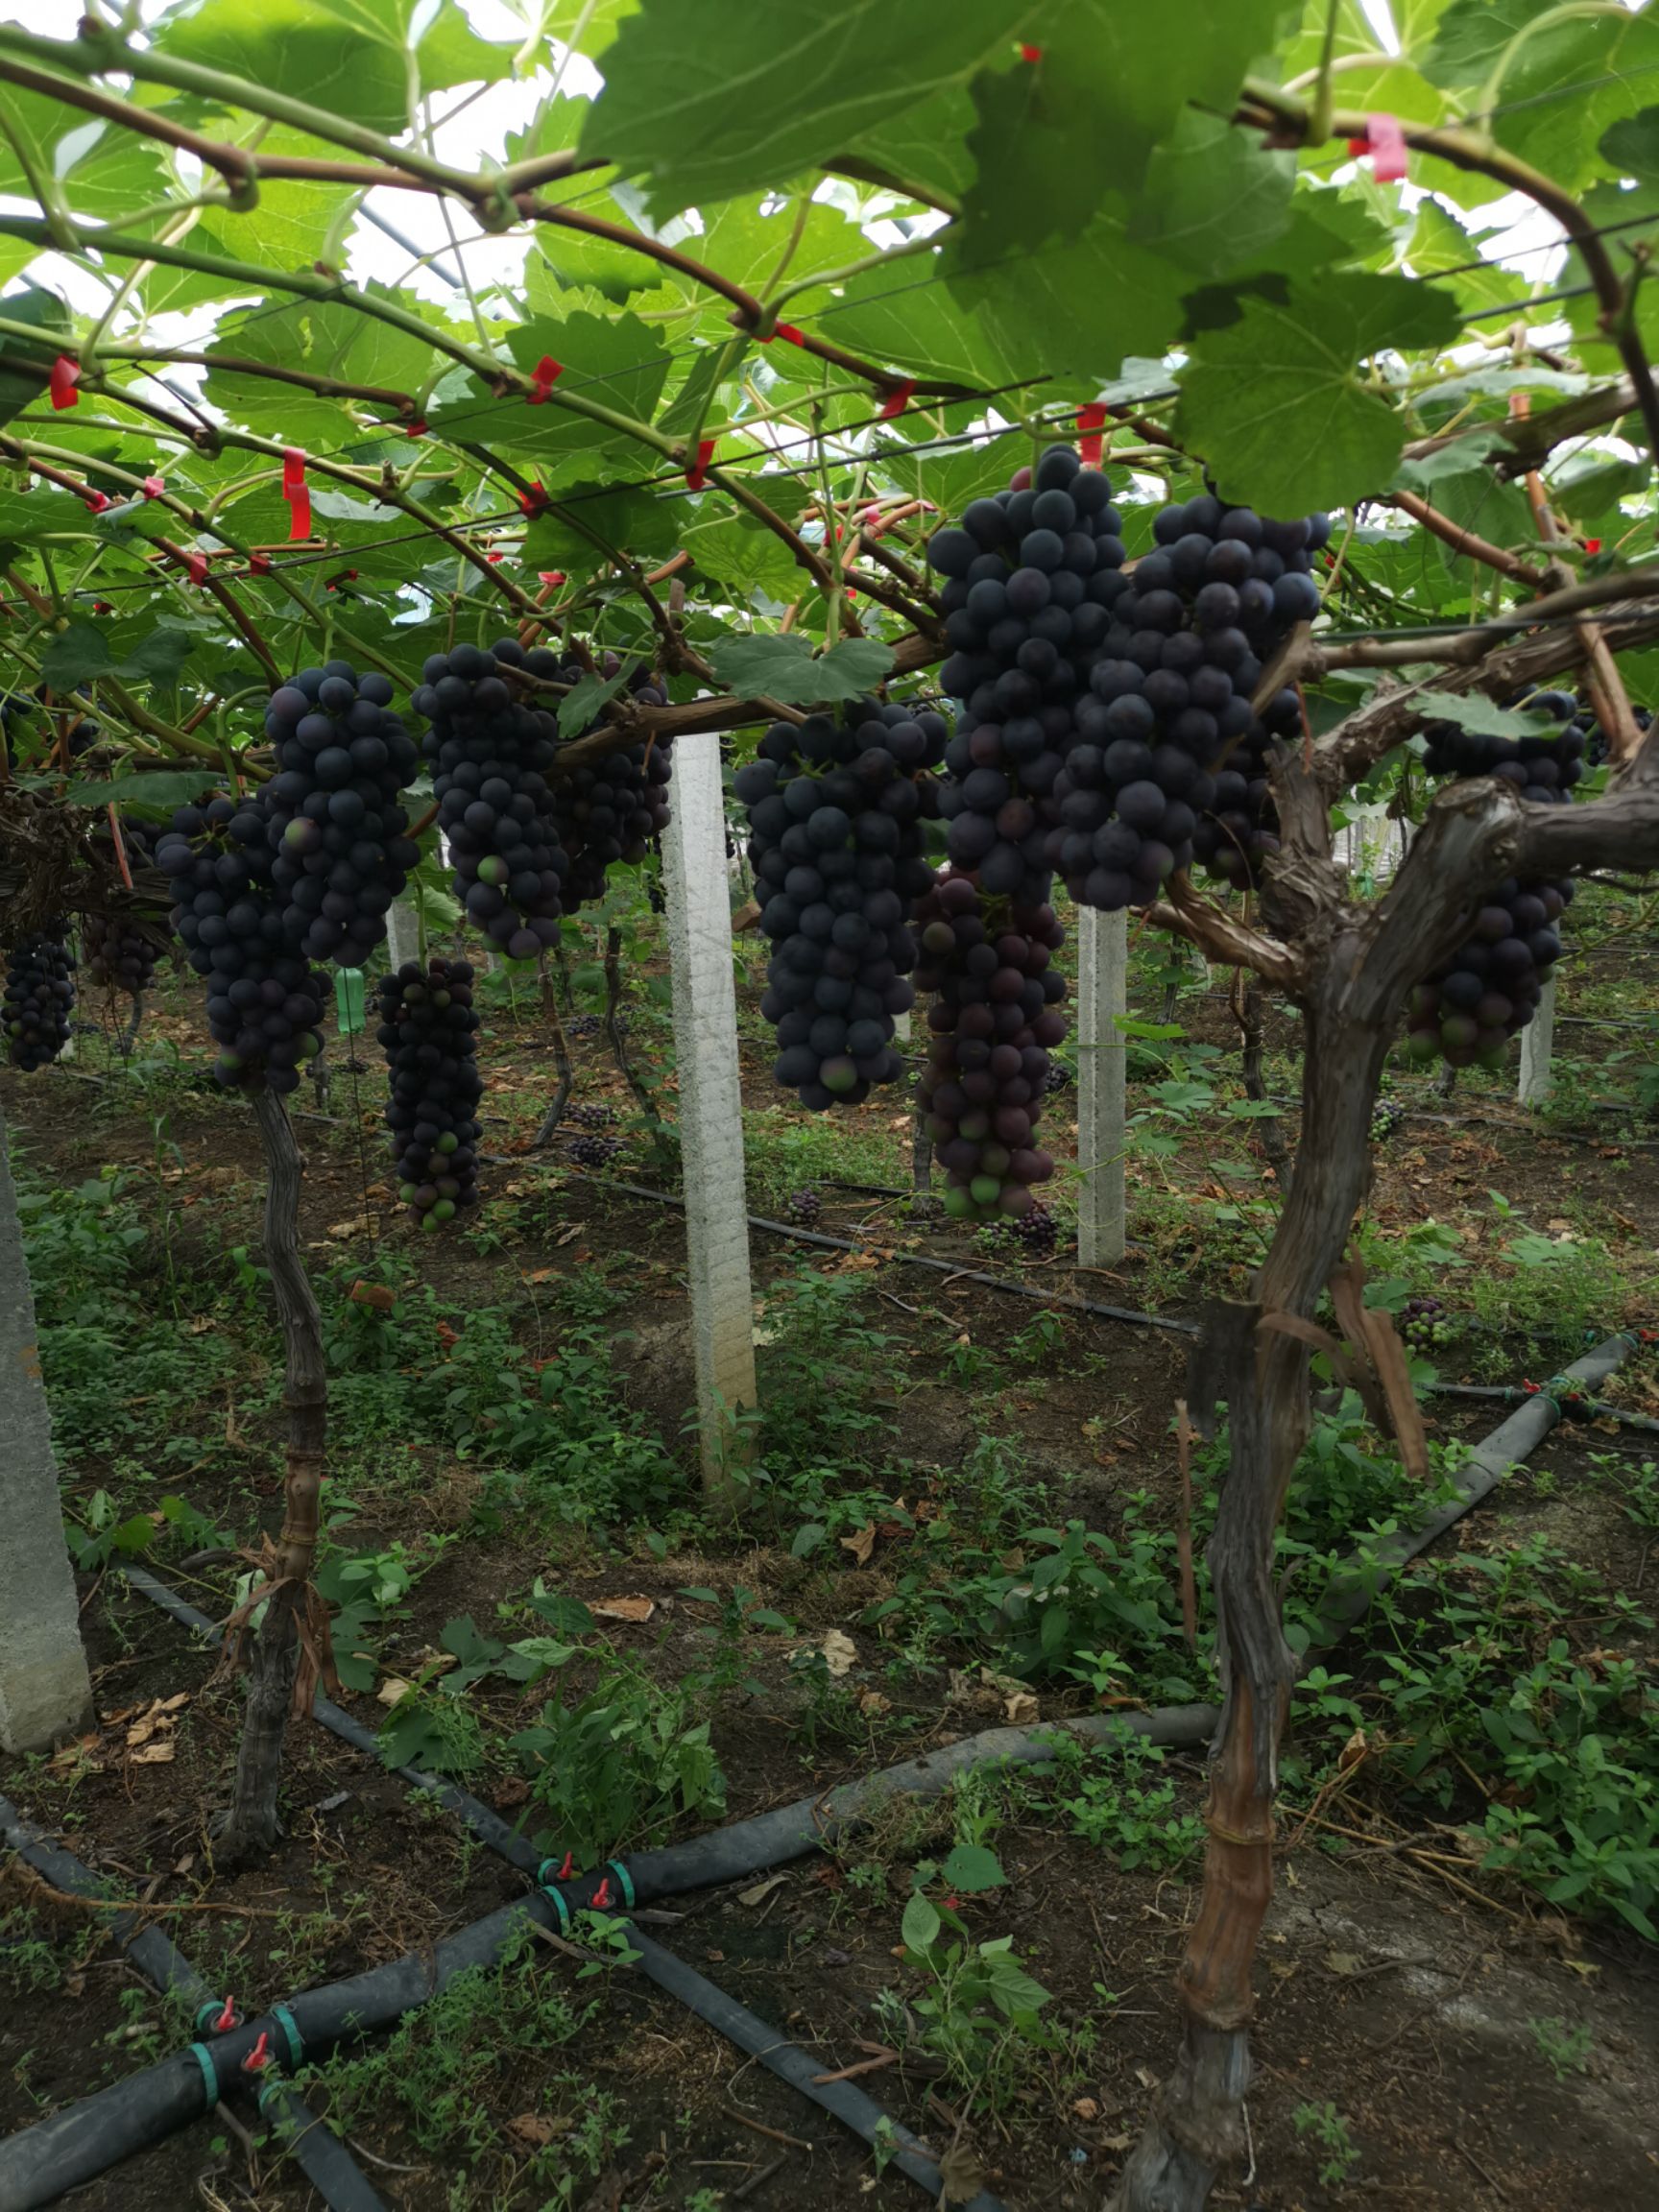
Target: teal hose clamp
(624,1882)
(209,2073)
(291,2034)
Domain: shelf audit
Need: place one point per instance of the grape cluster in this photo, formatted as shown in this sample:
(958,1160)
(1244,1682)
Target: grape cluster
(1108,730)
(1032,577)
(119,955)
(264,1000)
(1425,1324)
(1488,988)
(595,1151)
(1386,1116)
(490,755)
(804,1207)
(1596,747)
(333,812)
(428,1034)
(39,991)
(835,819)
(610,808)
(994,1022)
(596,1113)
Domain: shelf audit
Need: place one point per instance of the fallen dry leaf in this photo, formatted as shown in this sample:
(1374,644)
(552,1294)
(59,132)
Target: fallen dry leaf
(840,1653)
(871,1704)
(536,2128)
(1021,1709)
(156,1754)
(392,1689)
(1344,1962)
(760,1890)
(1086,2108)
(373,1294)
(861,1543)
(962,2174)
(198,1327)
(623,1608)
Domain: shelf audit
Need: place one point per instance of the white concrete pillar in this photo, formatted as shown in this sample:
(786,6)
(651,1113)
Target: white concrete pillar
(698,893)
(1102,994)
(1537,1044)
(45,1690)
(402,932)
(902,1028)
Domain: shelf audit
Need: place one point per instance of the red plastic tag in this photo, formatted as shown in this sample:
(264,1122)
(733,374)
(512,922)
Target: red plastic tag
(542,378)
(698,475)
(259,2057)
(533,501)
(66,376)
(602,1895)
(1591,545)
(785,330)
(153,487)
(1386,143)
(197,566)
(1029,52)
(551,575)
(96,500)
(1091,421)
(896,401)
(224,2021)
(258,564)
(297,492)
(415,429)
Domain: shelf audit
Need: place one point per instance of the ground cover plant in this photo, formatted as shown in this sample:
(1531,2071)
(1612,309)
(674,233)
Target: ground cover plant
(1061,471)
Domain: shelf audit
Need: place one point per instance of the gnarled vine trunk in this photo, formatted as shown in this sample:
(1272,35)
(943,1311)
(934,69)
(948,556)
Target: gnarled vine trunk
(252,1826)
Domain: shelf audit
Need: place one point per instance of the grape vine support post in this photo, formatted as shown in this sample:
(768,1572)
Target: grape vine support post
(1537,1047)
(699,896)
(402,932)
(45,1690)
(1102,999)
(286,1637)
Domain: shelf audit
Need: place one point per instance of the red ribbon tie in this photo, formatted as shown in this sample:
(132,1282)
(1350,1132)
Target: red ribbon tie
(297,492)
(96,500)
(1090,421)
(896,401)
(554,576)
(258,564)
(153,487)
(697,475)
(66,376)
(533,501)
(1386,143)
(542,378)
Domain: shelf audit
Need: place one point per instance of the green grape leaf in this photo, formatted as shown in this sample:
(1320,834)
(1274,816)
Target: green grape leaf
(1274,402)
(79,653)
(1072,309)
(42,310)
(973,1868)
(333,53)
(1566,84)
(1214,199)
(782,668)
(703,108)
(580,703)
(1475,712)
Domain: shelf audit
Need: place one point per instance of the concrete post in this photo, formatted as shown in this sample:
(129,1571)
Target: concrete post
(697,887)
(45,1691)
(1102,994)
(1537,1044)
(402,932)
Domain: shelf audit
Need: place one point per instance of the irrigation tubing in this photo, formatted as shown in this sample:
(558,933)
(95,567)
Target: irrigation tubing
(323,2159)
(81,2142)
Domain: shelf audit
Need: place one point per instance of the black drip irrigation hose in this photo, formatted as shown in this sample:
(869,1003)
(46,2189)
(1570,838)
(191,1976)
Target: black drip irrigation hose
(325,2160)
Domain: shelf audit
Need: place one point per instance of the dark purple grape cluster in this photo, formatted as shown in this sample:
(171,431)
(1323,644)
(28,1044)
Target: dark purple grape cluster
(610,808)
(333,812)
(1030,579)
(1596,747)
(428,1032)
(117,955)
(264,998)
(1488,988)
(836,820)
(804,1207)
(593,1114)
(596,1152)
(490,755)
(1425,1324)
(1543,768)
(994,1022)
(582,1026)
(39,991)
(1036,1232)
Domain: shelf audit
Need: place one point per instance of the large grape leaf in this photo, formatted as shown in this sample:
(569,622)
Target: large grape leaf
(1073,308)
(1276,403)
(1566,83)
(902,317)
(1080,117)
(586,519)
(705,102)
(1214,199)
(102,172)
(43,311)
(615,361)
(784,668)
(335,54)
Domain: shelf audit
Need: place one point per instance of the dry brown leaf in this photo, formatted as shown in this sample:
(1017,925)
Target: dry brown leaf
(759,1893)
(871,1704)
(532,2127)
(840,1653)
(639,1608)
(198,1327)
(392,1689)
(1086,2108)
(372,1294)
(1021,1709)
(156,1754)
(861,1543)
(962,2174)
(1347,1963)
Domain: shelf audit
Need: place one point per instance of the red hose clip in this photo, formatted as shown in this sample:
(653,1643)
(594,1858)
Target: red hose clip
(1531,1389)
(566,1869)
(66,376)
(1090,421)
(153,487)
(602,1895)
(896,401)
(533,501)
(542,378)
(259,2057)
(297,492)
(224,2022)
